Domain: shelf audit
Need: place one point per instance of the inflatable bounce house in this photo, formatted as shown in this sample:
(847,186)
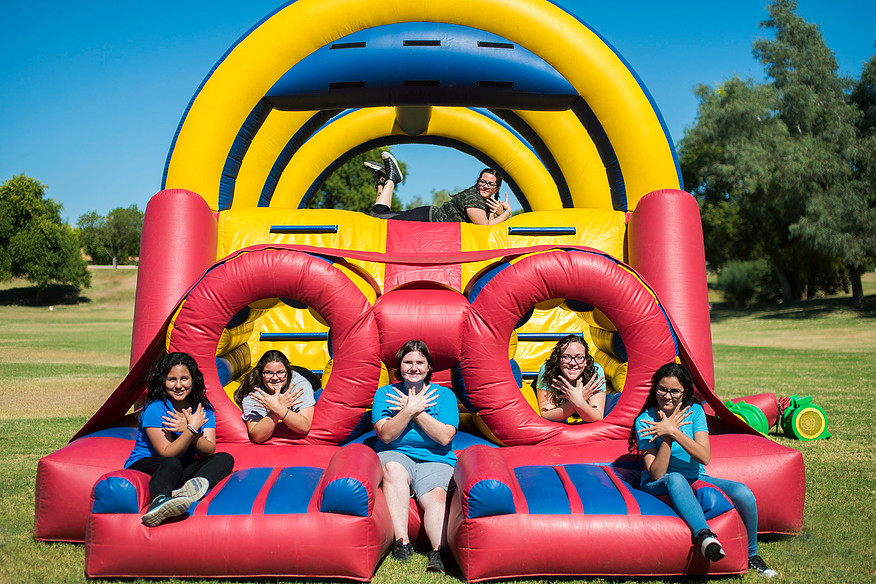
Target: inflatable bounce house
(232,264)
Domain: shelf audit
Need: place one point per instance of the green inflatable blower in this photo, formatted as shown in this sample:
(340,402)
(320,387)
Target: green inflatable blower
(804,420)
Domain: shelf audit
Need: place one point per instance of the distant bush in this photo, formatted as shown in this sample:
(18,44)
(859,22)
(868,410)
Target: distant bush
(745,282)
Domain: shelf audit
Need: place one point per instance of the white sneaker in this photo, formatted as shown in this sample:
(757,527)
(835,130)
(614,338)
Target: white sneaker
(194,489)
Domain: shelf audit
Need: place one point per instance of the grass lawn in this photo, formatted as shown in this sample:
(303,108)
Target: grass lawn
(58,366)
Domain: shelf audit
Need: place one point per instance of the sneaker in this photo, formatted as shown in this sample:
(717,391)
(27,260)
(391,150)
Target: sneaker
(378,170)
(390,166)
(164,507)
(709,545)
(755,562)
(436,564)
(402,551)
(194,489)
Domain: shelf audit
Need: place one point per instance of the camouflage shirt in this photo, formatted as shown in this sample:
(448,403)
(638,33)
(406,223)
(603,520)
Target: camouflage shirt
(454,210)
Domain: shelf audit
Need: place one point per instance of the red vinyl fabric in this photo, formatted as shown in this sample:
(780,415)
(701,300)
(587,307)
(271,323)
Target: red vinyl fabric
(238,534)
(635,540)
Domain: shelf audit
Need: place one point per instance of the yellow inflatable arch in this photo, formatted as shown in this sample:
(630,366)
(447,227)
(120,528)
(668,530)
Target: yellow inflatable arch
(595,139)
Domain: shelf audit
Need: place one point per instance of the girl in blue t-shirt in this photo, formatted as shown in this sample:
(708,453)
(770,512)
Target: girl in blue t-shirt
(176,441)
(672,435)
(415,421)
(570,382)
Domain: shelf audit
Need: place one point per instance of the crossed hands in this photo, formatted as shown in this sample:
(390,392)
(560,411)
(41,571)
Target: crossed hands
(666,425)
(579,392)
(498,207)
(178,421)
(413,403)
(277,402)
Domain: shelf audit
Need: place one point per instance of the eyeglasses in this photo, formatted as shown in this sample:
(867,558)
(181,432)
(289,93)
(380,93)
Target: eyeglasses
(277,374)
(486,183)
(579,359)
(673,392)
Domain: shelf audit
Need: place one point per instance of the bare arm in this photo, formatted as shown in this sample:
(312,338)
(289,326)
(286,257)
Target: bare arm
(411,407)
(587,399)
(438,431)
(280,409)
(669,428)
(164,443)
(501,210)
(549,411)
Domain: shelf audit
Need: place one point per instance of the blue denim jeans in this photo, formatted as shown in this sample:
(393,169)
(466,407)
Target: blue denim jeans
(688,508)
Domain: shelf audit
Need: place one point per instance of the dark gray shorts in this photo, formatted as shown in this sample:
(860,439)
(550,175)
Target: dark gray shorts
(425,476)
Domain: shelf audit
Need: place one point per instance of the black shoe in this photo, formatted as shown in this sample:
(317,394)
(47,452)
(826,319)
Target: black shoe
(378,170)
(390,166)
(402,551)
(436,564)
(755,562)
(709,545)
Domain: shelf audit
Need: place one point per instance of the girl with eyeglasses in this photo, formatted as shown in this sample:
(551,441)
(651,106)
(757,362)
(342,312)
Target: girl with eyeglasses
(571,383)
(478,204)
(672,436)
(273,394)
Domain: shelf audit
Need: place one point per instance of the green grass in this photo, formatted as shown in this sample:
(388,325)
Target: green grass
(65,361)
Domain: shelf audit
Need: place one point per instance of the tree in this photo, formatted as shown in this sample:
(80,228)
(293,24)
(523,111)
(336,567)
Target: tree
(764,158)
(34,243)
(114,238)
(351,186)
(439,197)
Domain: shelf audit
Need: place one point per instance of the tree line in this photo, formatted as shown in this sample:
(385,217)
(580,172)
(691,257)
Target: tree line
(37,245)
(785,170)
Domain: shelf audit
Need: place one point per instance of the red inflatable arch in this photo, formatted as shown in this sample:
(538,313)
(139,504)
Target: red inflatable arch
(578,275)
(267,272)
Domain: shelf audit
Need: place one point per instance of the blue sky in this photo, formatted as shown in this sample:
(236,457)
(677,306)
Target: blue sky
(91,92)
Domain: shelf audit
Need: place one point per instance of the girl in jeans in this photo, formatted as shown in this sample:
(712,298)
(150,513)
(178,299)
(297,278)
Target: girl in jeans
(176,441)
(672,436)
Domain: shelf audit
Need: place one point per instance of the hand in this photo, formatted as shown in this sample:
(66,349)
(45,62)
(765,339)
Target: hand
(666,426)
(293,398)
(498,207)
(174,421)
(278,403)
(579,393)
(196,419)
(412,403)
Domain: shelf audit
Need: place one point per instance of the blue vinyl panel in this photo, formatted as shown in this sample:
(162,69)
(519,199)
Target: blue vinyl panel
(599,495)
(239,493)
(292,491)
(543,490)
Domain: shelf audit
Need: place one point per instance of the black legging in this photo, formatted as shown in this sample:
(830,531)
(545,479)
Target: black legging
(169,473)
(415,214)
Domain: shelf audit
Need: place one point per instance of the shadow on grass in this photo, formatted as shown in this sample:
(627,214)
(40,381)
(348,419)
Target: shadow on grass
(54,294)
(799,310)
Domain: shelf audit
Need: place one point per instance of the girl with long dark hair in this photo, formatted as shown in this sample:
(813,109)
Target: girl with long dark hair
(176,439)
(570,382)
(672,436)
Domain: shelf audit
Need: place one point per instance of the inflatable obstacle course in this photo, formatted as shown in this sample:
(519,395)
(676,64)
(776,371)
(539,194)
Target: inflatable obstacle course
(584,150)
